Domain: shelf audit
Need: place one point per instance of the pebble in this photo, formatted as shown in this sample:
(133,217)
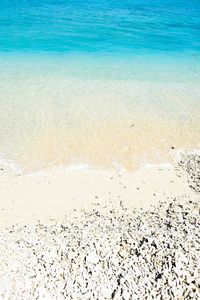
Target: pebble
(119,255)
(92,258)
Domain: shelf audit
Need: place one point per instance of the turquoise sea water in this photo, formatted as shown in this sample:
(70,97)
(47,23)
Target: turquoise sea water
(78,73)
(100,26)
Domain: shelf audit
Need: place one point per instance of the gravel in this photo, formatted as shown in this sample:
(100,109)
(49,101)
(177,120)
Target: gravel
(190,162)
(105,254)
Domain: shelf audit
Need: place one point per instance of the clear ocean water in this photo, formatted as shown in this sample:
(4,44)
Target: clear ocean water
(102,82)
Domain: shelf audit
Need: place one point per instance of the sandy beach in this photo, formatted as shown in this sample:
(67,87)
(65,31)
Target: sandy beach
(99,150)
(57,192)
(100,234)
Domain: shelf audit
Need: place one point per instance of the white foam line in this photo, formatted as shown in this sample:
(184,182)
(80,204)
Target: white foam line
(155,165)
(10,165)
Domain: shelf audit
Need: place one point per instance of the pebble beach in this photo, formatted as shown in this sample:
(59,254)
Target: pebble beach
(99,150)
(109,253)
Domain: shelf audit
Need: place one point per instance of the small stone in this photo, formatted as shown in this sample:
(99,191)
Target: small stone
(92,258)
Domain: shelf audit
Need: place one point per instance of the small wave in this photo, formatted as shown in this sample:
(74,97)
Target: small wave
(10,165)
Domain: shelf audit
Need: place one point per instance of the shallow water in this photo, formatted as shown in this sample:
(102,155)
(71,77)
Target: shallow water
(101,83)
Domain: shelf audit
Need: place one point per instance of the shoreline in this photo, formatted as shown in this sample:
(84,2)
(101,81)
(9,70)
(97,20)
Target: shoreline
(58,192)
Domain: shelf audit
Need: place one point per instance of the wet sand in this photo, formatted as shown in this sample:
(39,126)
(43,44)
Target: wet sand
(58,192)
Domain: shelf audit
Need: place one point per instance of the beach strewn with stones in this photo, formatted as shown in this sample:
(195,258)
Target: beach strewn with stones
(100,150)
(190,162)
(108,253)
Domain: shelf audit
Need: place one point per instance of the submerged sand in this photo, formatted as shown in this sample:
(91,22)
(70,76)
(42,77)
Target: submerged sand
(55,120)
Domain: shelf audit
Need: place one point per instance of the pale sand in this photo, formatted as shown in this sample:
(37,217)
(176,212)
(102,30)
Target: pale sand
(56,193)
